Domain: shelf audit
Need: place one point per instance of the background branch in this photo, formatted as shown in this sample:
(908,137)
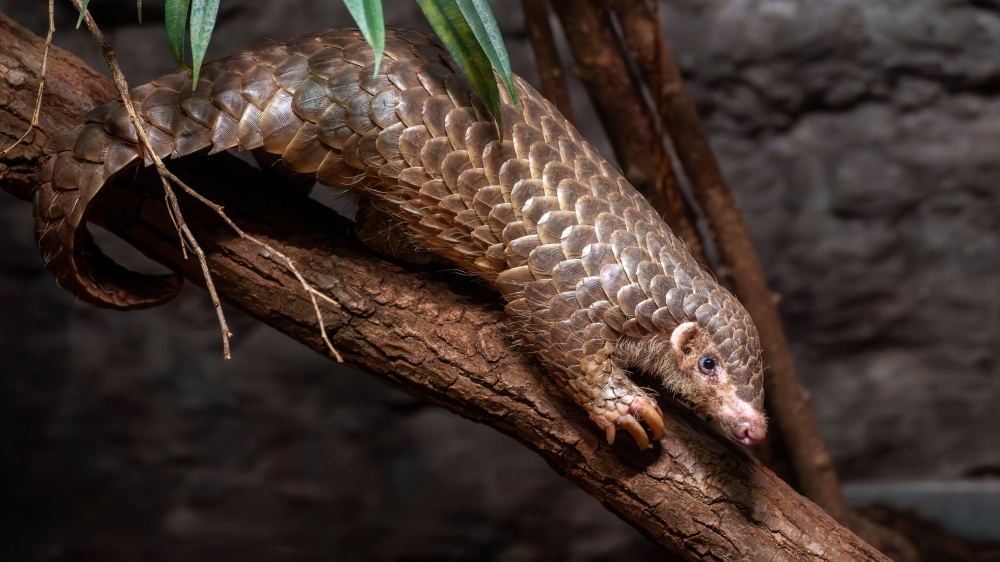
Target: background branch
(550,69)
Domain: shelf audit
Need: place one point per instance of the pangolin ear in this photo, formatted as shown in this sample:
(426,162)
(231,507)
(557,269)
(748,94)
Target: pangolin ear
(680,340)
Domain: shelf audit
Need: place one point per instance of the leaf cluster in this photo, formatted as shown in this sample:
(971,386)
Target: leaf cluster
(466,27)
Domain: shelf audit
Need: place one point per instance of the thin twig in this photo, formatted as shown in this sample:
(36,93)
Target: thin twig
(41,81)
(313,292)
(185,233)
(174,210)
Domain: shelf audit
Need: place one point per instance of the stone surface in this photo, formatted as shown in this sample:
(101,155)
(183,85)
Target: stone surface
(862,140)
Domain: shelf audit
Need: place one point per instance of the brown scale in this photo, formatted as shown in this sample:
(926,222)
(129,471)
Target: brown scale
(594,281)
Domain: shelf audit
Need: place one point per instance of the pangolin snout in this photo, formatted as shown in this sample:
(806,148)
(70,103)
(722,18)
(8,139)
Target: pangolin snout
(741,422)
(750,433)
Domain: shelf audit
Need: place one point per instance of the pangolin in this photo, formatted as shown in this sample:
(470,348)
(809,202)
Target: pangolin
(595,283)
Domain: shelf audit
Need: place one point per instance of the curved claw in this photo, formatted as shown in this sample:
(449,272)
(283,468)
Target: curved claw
(632,425)
(642,408)
(625,407)
(650,413)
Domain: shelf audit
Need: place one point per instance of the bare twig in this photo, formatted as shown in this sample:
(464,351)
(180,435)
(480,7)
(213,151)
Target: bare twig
(173,207)
(313,292)
(41,81)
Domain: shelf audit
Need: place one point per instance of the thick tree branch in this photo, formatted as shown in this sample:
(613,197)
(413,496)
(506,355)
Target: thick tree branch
(436,336)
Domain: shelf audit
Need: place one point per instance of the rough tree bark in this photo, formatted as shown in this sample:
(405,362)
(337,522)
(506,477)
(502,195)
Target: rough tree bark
(437,336)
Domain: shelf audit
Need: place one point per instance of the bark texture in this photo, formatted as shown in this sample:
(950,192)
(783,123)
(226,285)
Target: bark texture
(431,335)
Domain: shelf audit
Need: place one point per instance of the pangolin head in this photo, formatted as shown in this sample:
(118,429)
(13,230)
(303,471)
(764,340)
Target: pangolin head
(708,354)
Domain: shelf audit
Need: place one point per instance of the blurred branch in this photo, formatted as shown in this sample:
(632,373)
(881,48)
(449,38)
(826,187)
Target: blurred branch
(550,68)
(643,40)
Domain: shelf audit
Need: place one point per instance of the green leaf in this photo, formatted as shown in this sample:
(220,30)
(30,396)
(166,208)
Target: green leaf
(203,14)
(176,16)
(368,15)
(83,10)
(480,18)
(138,8)
(446,18)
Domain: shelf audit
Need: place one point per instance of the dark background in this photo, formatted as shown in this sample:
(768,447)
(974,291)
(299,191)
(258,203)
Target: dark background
(862,140)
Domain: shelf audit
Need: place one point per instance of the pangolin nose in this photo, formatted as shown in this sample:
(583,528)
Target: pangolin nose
(750,433)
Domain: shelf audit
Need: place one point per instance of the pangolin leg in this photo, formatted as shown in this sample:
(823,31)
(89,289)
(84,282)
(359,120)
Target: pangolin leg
(382,231)
(614,402)
(288,180)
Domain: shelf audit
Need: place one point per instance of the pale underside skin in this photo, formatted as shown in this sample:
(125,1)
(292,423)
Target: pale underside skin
(595,282)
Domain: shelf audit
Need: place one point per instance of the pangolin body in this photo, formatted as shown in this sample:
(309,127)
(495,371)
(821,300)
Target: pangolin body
(594,280)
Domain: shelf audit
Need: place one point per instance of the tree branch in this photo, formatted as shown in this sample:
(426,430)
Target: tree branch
(433,335)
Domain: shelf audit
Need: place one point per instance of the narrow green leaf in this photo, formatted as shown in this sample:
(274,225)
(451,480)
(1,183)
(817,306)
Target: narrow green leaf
(450,25)
(368,15)
(83,10)
(484,26)
(176,16)
(138,7)
(203,14)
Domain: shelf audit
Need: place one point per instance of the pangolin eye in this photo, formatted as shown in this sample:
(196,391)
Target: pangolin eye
(707,363)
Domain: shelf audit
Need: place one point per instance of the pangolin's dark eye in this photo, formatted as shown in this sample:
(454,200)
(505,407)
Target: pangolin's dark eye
(707,363)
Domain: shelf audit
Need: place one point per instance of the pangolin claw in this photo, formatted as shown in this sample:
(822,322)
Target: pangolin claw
(609,432)
(641,408)
(650,413)
(632,425)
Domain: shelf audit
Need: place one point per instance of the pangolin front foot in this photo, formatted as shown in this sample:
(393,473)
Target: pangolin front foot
(614,402)
(642,408)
